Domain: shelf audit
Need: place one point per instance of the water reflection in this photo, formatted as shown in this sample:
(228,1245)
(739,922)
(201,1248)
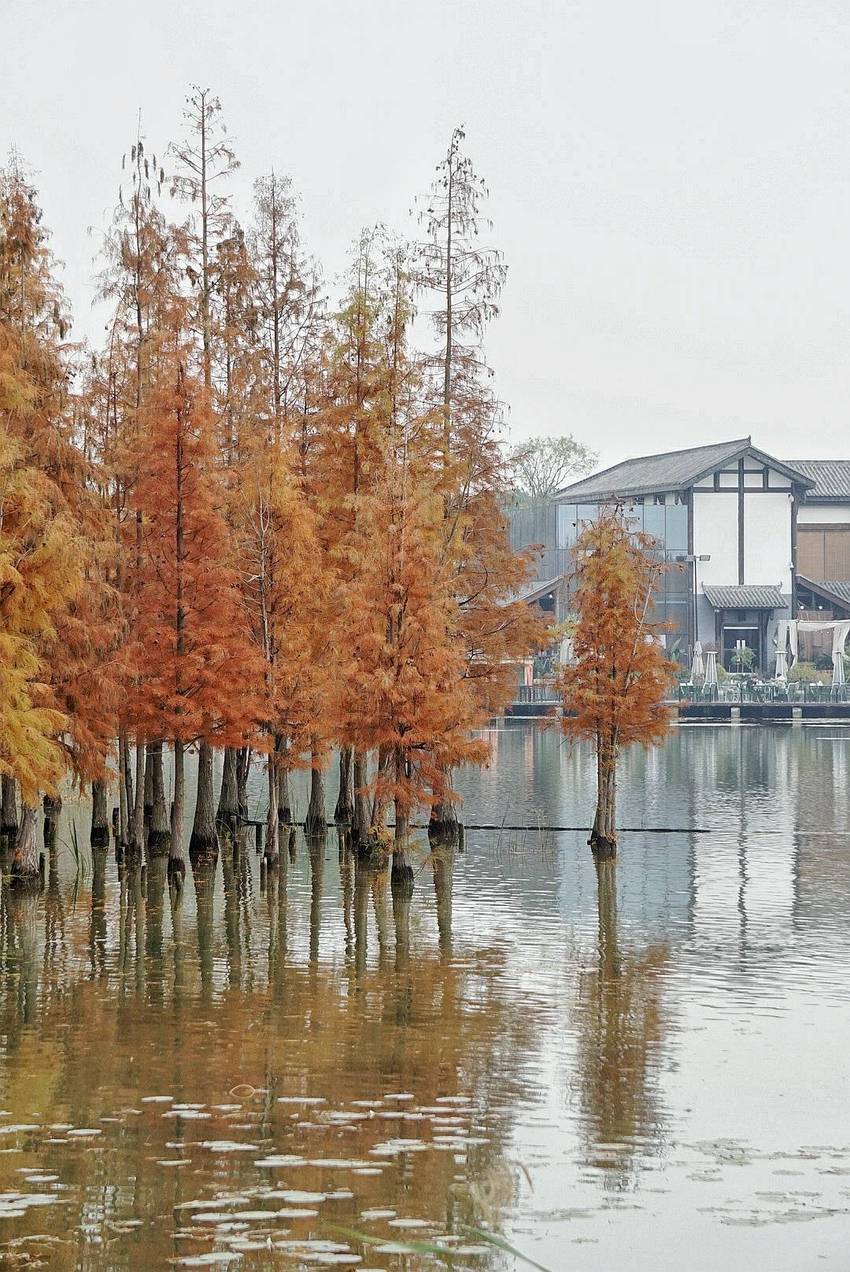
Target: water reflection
(520,1039)
(620,1031)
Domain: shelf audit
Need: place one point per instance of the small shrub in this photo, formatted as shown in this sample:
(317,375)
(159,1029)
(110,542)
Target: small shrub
(805,673)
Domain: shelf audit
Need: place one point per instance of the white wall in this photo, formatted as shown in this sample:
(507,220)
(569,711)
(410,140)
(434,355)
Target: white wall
(767,539)
(716,533)
(823,514)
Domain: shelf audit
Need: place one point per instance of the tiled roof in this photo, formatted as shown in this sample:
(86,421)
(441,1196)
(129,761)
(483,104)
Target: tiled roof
(674,470)
(831,477)
(745,596)
(832,589)
(669,471)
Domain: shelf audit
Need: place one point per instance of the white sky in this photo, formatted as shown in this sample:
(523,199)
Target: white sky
(669,180)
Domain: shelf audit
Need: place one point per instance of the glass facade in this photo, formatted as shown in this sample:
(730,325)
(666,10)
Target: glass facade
(665,519)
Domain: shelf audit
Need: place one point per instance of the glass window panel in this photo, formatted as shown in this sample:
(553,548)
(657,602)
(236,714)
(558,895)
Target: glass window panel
(653,520)
(566,525)
(585,513)
(676,527)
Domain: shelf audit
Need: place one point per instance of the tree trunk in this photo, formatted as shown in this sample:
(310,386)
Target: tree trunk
(243,768)
(603,836)
(378,814)
(159,831)
(176,855)
(8,810)
(25,867)
(284,807)
(284,803)
(272,823)
(344,811)
(402,812)
(228,800)
(99,815)
(52,805)
(125,799)
(401,873)
(443,823)
(204,840)
(149,752)
(360,818)
(315,822)
(137,843)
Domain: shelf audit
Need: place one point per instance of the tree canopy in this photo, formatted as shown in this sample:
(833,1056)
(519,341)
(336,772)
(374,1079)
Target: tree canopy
(543,465)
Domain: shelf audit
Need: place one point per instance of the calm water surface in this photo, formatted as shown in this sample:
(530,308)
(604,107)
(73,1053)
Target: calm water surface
(646,1068)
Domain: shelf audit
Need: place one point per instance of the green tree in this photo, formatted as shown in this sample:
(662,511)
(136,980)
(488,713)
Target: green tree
(543,465)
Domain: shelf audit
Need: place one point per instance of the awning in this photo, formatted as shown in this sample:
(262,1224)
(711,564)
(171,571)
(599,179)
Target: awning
(745,596)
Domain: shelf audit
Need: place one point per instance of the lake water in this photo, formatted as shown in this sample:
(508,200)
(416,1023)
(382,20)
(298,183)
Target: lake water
(646,1068)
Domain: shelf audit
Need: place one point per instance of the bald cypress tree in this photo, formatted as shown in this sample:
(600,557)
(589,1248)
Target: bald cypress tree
(203,158)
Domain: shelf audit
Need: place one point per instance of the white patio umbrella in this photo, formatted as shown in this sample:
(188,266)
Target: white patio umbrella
(711,669)
(697,666)
(781,673)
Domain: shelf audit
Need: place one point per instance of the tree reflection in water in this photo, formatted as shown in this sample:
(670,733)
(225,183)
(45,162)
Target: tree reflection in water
(141,989)
(621,1030)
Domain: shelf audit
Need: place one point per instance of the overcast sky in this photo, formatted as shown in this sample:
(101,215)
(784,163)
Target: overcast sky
(670,181)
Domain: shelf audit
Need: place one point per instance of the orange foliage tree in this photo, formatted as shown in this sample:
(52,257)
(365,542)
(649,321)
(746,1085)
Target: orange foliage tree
(48,554)
(342,455)
(250,525)
(462,277)
(199,673)
(286,592)
(140,280)
(614,691)
(403,692)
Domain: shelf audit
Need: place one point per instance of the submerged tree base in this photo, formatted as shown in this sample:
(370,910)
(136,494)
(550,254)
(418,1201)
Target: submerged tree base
(176,870)
(373,848)
(401,876)
(445,830)
(227,822)
(602,847)
(24,877)
(159,842)
(315,825)
(203,846)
